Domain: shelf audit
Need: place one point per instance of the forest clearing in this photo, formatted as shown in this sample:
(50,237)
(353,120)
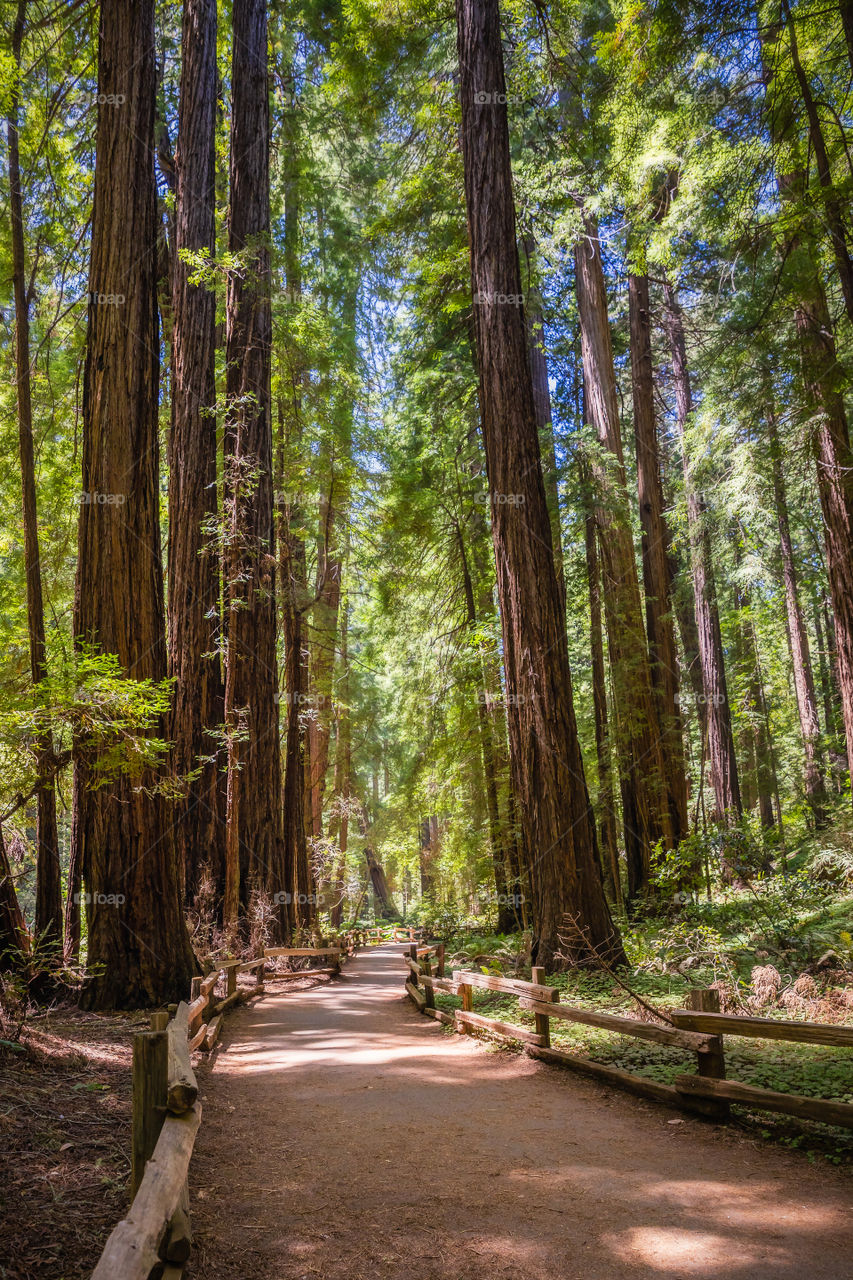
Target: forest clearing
(427,589)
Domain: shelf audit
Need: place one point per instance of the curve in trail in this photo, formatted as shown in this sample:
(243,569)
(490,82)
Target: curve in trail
(346,1137)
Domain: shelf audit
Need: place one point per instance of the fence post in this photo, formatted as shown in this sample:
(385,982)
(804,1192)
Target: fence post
(466,992)
(150,1086)
(543,1022)
(231,988)
(712,1063)
(259,980)
(439,960)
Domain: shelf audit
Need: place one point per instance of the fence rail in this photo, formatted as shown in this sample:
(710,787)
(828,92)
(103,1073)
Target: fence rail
(155,1238)
(699,1029)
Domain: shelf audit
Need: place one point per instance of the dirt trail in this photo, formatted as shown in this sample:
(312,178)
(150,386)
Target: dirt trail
(346,1137)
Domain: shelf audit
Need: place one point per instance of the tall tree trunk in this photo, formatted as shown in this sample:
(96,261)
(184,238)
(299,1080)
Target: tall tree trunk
(637,736)
(569,906)
(254,850)
(137,938)
(48,915)
(542,403)
(339,820)
(194,591)
(754,702)
(659,615)
(798,636)
(824,389)
(606,800)
(832,203)
(507,921)
(721,747)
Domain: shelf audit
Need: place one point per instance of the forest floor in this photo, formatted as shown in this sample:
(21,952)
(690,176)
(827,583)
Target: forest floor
(65,1115)
(467,1162)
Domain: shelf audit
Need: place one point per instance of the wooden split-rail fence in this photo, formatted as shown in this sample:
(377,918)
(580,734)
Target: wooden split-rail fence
(154,1240)
(700,1028)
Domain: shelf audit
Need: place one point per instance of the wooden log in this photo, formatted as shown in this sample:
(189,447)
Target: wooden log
(441,1016)
(301,973)
(197,1038)
(131,1250)
(158,1021)
(543,1022)
(733,1024)
(212,1035)
(622,1026)
(231,981)
(439,960)
(752,1095)
(610,1075)
(443,984)
(182,1087)
(301,951)
(711,1064)
(150,1068)
(179,1241)
(463,1019)
(195,1013)
(416,995)
(222,1005)
(466,994)
(208,983)
(510,986)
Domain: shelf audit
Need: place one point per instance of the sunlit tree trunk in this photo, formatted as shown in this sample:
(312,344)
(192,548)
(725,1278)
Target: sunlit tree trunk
(721,747)
(659,616)
(606,799)
(571,916)
(798,637)
(636,728)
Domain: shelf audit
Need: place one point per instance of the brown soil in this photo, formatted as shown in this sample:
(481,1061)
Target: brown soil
(466,1163)
(64,1141)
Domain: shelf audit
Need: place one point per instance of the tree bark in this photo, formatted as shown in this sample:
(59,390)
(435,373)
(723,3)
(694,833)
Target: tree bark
(659,615)
(798,636)
(48,913)
(606,800)
(569,907)
(137,938)
(637,732)
(14,935)
(721,747)
(824,386)
(194,590)
(254,849)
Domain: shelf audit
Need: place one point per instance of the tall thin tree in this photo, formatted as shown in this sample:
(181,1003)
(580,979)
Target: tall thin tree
(570,910)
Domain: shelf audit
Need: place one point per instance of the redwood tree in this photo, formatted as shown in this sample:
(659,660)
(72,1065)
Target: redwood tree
(254,846)
(193,616)
(138,944)
(557,820)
